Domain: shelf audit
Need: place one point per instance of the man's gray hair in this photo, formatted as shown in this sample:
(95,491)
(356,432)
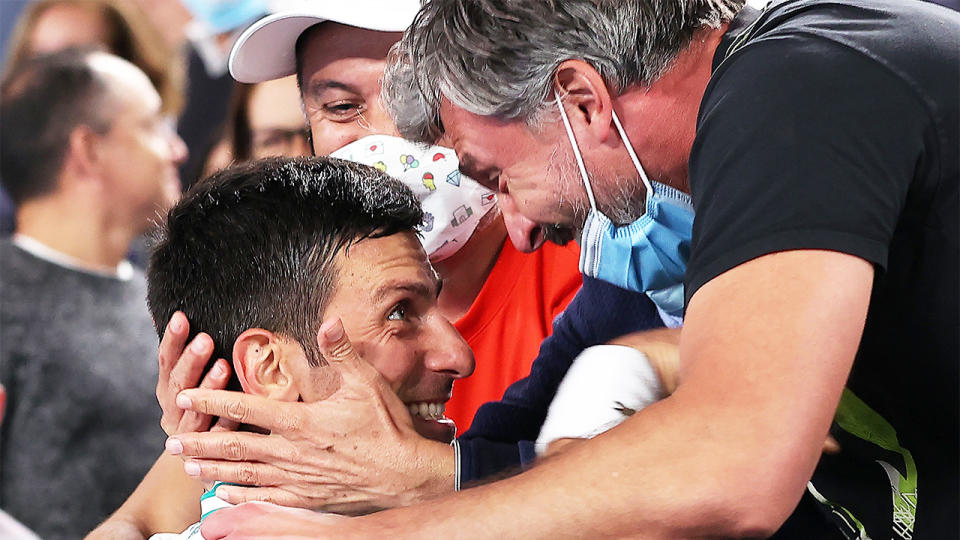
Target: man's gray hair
(498,57)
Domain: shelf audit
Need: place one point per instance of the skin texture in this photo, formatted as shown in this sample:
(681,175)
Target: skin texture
(341,93)
(535,194)
(729,453)
(718,459)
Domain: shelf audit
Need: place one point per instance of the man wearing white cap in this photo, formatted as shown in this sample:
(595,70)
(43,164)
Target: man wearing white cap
(491,288)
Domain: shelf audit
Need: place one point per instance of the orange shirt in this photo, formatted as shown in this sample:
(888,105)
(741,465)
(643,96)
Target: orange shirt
(513,313)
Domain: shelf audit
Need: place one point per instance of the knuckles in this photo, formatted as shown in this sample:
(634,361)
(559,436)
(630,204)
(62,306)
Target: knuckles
(231,448)
(238,411)
(247,475)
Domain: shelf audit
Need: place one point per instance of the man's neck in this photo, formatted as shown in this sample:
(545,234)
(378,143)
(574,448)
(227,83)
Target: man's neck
(465,272)
(666,111)
(76,230)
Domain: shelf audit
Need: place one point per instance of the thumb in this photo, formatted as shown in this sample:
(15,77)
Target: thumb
(336,348)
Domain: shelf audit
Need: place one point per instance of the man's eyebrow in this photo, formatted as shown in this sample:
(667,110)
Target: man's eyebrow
(416,288)
(320,85)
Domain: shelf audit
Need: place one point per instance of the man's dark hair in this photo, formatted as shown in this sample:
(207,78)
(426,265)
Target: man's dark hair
(254,245)
(41,103)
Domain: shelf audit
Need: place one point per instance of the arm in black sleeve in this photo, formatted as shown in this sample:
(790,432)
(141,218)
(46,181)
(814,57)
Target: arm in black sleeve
(801,144)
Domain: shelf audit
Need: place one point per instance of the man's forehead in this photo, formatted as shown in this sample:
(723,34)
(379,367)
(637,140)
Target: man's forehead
(377,266)
(386,254)
(330,41)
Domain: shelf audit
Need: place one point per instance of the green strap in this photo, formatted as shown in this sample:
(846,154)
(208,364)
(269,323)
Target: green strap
(858,419)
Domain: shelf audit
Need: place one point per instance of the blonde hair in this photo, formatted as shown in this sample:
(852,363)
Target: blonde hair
(132,37)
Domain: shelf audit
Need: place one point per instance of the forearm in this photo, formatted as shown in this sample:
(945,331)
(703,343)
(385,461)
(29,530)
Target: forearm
(434,474)
(117,528)
(729,453)
(676,470)
(167,500)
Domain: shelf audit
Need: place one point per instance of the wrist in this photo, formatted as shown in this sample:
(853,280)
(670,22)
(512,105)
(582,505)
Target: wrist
(435,471)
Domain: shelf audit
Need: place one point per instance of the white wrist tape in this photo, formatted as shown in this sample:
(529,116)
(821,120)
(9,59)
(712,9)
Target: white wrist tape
(605,384)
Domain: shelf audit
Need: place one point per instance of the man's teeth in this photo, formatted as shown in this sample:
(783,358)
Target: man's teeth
(430,411)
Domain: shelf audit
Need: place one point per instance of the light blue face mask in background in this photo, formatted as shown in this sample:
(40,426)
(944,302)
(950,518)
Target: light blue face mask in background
(226,15)
(649,255)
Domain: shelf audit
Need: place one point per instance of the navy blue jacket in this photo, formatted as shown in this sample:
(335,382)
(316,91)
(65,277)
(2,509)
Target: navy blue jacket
(502,434)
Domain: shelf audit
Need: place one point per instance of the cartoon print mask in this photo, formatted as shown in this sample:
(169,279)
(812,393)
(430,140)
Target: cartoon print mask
(452,203)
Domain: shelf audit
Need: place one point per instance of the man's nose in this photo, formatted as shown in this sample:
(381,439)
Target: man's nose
(525,234)
(449,353)
(178,149)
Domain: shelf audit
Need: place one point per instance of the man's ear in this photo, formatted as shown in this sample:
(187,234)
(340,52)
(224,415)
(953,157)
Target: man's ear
(585,96)
(83,154)
(260,364)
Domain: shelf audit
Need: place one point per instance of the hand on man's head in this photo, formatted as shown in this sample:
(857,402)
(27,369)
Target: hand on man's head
(356,451)
(181,367)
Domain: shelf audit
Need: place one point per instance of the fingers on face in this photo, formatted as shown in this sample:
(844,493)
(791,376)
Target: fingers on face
(336,347)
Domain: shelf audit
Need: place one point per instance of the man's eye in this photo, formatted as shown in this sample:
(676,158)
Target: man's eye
(342,110)
(398,313)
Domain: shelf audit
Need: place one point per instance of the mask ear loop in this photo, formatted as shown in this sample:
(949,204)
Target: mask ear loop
(576,151)
(633,155)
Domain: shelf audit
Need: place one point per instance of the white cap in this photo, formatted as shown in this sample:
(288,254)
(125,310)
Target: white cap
(266,50)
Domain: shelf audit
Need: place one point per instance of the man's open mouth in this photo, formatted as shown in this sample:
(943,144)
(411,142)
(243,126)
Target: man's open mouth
(427,410)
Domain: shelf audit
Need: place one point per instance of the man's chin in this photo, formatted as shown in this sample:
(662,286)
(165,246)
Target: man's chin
(442,429)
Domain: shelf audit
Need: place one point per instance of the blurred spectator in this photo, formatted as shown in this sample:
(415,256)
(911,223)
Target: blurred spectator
(77,345)
(265,119)
(118,26)
(215,26)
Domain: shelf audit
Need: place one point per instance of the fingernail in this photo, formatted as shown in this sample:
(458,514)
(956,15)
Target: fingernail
(174,446)
(218,370)
(183,401)
(334,332)
(199,346)
(191,468)
(222,494)
(176,324)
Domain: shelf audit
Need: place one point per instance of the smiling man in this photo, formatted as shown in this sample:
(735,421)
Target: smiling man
(265,270)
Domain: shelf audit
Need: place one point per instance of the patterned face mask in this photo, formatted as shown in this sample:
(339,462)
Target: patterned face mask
(452,203)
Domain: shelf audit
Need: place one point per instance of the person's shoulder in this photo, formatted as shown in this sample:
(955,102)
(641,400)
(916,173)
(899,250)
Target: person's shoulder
(916,42)
(16,264)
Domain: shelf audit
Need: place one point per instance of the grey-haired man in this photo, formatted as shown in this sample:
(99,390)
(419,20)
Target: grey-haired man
(819,140)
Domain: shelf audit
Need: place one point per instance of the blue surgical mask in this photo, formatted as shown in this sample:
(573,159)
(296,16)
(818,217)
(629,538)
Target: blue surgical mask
(649,255)
(226,15)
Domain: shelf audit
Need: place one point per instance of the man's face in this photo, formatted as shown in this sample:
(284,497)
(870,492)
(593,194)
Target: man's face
(386,295)
(277,127)
(341,72)
(141,151)
(532,171)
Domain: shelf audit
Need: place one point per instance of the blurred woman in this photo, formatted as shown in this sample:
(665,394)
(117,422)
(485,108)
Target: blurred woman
(265,119)
(117,25)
